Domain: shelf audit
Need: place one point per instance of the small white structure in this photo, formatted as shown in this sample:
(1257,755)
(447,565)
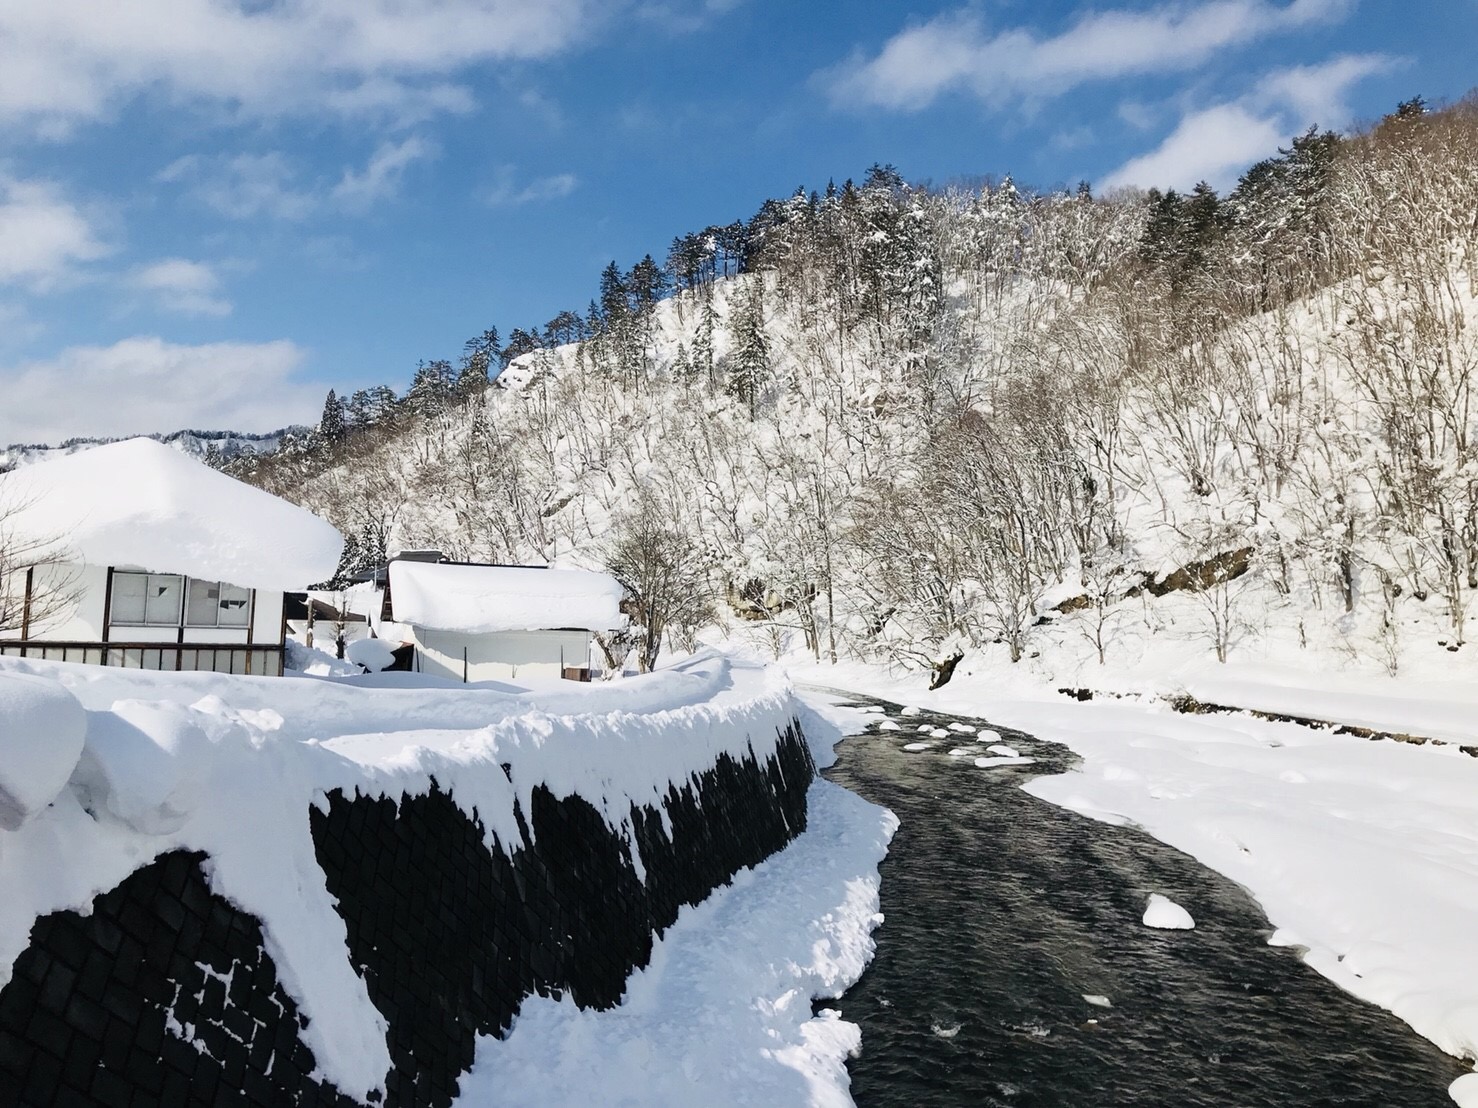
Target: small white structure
(161,562)
(479,622)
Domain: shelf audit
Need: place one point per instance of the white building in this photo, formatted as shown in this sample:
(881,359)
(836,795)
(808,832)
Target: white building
(139,556)
(480,622)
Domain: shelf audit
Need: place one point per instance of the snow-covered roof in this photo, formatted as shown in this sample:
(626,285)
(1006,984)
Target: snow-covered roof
(139,503)
(474,599)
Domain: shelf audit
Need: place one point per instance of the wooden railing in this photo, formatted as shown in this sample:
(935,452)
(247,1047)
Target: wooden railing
(236,658)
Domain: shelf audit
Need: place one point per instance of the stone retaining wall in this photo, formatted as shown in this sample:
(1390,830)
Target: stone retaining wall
(164,993)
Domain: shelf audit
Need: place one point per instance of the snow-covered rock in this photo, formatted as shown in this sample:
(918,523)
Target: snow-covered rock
(989,763)
(42,727)
(1163,913)
(373,654)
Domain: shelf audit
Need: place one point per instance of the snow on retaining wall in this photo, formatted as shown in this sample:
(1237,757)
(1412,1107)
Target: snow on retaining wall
(584,831)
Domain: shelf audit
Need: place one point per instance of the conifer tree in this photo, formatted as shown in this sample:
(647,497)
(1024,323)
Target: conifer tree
(331,424)
(749,364)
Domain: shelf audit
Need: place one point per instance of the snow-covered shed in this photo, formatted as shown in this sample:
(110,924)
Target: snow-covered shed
(476,622)
(134,554)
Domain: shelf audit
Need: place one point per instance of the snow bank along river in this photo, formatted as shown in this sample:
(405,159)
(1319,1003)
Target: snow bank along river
(1015,967)
(346,890)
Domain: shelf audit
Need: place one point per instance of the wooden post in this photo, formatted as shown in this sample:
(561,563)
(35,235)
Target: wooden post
(107,618)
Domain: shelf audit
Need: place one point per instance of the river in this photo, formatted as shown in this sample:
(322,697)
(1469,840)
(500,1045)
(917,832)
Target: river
(1003,913)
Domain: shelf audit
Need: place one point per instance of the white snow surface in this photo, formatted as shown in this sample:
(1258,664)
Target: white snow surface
(1465,1090)
(1163,913)
(230,765)
(41,732)
(373,654)
(480,599)
(722,1015)
(139,503)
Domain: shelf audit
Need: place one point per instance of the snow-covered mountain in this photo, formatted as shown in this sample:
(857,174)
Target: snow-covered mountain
(226,445)
(931,427)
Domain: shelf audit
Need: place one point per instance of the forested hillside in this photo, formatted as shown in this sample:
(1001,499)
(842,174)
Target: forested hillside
(905,422)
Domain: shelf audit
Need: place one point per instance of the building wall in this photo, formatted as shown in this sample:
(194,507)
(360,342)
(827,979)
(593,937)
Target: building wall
(505,656)
(82,620)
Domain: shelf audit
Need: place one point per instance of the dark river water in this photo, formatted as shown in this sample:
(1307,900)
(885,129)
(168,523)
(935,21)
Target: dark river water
(1003,912)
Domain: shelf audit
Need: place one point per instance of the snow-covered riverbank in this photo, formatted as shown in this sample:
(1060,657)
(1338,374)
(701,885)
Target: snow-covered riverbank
(1363,853)
(723,1014)
(137,764)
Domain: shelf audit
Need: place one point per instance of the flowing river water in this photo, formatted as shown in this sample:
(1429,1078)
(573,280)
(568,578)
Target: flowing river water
(1003,912)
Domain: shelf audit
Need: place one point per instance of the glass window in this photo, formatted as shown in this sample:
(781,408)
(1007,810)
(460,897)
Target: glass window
(200,609)
(162,601)
(235,606)
(217,604)
(146,599)
(128,597)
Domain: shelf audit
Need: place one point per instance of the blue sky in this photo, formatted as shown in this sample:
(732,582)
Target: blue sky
(212,211)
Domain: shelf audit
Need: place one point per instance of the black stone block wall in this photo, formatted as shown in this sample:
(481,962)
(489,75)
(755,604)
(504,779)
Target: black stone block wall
(93,1012)
(164,995)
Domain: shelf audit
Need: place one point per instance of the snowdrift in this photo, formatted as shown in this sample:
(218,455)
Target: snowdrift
(139,765)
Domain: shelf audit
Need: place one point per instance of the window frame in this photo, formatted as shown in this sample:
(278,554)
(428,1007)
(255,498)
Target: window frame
(247,596)
(182,618)
(144,620)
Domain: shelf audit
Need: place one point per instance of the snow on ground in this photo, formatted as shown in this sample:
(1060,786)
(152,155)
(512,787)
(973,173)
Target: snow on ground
(723,1013)
(230,765)
(40,743)
(1363,854)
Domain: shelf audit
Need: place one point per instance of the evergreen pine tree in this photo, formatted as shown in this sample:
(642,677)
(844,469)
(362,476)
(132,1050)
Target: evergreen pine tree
(703,341)
(331,424)
(749,364)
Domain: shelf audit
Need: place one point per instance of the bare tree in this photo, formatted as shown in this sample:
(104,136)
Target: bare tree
(37,582)
(663,572)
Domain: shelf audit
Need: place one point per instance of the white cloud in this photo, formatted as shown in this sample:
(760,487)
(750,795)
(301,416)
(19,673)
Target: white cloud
(380,178)
(1317,93)
(954,52)
(43,236)
(1206,145)
(144,384)
(244,185)
(505,193)
(684,16)
(69,60)
(1216,143)
(181,286)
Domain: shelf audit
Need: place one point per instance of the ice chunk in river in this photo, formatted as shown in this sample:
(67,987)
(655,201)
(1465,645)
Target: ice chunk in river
(1164,913)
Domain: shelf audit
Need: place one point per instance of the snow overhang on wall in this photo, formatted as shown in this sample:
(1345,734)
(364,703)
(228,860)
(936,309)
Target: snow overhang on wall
(484,599)
(141,504)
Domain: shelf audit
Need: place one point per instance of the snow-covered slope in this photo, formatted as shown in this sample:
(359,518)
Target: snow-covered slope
(985,425)
(224,444)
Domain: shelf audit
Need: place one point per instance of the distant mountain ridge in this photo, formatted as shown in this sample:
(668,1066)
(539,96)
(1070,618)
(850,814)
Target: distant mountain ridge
(201,444)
